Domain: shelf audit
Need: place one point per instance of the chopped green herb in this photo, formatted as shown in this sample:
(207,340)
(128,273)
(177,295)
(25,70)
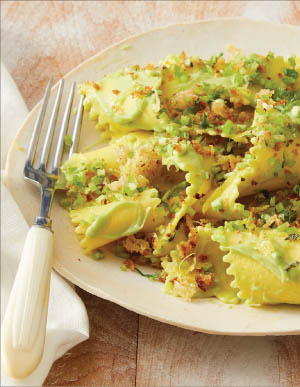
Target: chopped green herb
(285,227)
(228,127)
(177,71)
(130,189)
(65,203)
(239,79)
(291,73)
(98,255)
(207,267)
(150,93)
(68,141)
(296,189)
(279,207)
(292,60)
(204,121)
(290,215)
(234,226)
(272,201)
(78,202)
(185,120)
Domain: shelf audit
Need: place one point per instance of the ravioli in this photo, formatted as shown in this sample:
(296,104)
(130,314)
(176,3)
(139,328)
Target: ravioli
(200,176)
(263,168)
(265,265)
(189,277)
(124,101)
(99,225)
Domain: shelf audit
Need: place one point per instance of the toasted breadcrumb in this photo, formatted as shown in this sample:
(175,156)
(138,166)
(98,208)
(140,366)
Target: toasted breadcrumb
(229,162)
(204,281)
(138,246)
(129,264)
(186,248)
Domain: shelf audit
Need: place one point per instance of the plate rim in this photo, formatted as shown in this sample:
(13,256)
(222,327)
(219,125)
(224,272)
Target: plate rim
(99,293)
(75,279)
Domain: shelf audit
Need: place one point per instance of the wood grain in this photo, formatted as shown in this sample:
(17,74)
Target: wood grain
(53,37)
(61,34)
(43,38)
(108,358)
(170,356)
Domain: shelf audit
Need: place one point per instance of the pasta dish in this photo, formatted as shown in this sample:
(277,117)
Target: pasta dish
(199,177)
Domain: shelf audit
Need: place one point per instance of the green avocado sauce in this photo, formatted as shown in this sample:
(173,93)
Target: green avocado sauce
(136,214)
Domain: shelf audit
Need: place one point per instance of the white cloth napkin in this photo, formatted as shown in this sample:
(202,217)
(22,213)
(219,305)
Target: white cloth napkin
(67,323)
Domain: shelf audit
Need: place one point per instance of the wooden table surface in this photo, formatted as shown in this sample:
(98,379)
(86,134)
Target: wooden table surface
(40,38)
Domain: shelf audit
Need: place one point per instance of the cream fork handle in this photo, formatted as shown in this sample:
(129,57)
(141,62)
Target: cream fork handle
(24,325)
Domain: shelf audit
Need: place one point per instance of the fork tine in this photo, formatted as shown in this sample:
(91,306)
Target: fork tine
(38,125)
(63,130)
(77,127)
(50,130)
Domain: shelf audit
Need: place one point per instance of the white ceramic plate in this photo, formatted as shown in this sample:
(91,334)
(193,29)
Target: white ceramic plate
(104,278)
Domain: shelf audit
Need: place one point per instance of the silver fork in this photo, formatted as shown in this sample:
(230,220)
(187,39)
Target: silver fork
(24,325)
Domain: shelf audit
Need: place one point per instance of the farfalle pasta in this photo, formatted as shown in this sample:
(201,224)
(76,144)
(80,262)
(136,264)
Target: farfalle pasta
(199,177)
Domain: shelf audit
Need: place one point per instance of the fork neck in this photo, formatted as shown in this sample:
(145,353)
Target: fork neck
(43,219)
(45,222)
